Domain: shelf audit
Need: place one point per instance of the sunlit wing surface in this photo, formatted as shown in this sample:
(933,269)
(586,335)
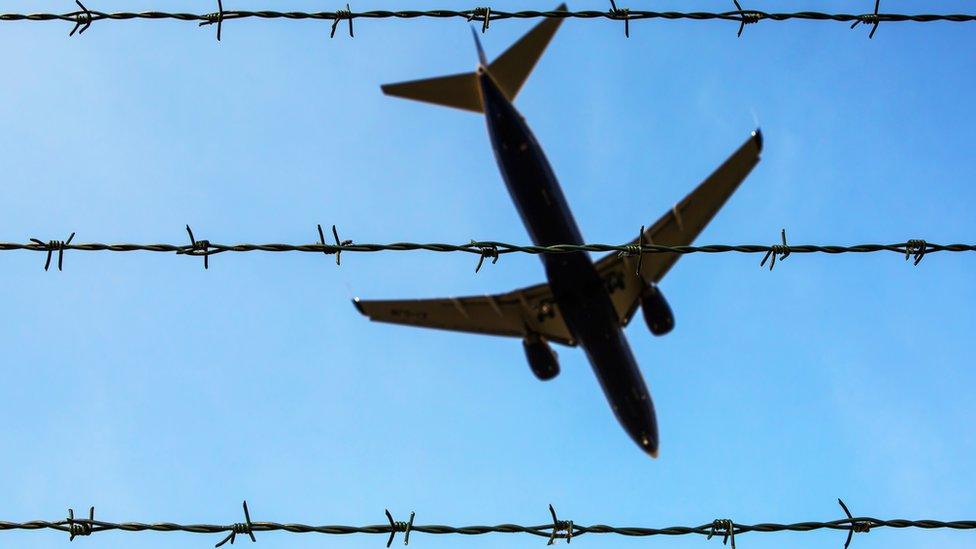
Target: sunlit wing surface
(528,310)
(678,227)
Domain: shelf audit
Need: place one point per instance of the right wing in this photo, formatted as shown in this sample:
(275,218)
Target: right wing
(678,227)
(516,313)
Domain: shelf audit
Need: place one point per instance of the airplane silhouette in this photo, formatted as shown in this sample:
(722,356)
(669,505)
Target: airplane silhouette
(584,303)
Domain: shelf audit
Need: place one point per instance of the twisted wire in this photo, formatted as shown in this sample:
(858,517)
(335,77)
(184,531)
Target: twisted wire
(857,524)
(484,247)
(87,17)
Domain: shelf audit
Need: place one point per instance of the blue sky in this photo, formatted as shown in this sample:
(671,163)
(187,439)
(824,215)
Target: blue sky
(157,391)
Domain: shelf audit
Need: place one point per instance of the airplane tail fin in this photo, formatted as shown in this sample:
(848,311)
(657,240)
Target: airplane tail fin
(481,51)
(509,70)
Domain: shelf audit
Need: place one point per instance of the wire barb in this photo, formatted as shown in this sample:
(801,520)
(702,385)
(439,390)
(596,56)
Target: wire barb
(782,250)
(483,13)
(83,19)
(726,528)
(490,250)
(245,527)
(339,16)
(856,525)
(746,17)
(872,19)
(620,13)
(80,527)
(560,526)
(197,247)
(337,249)
(916,248)
(398,526)
(636,250)
(217,18)
(640,251)
(52,246)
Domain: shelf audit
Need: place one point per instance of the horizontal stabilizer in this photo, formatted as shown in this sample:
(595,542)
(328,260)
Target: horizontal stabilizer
(459,91)
(512,68)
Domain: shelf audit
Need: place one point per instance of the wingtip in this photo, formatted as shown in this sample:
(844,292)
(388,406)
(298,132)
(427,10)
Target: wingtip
(758,137)
(358,306)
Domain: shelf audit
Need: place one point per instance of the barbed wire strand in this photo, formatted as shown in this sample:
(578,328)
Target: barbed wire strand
(84,17)
(557,529)
(913,248)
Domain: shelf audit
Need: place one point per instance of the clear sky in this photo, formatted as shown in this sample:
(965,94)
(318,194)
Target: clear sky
(157,391)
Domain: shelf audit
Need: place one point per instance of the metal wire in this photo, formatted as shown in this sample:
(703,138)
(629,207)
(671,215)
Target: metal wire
(557,529)
(913,248)
(84,17)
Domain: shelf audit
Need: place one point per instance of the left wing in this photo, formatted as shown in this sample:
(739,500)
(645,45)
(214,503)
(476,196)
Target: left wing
(516,313)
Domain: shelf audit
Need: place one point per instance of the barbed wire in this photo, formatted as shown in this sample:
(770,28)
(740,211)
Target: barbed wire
(557,529)
(84,17)
(486,249)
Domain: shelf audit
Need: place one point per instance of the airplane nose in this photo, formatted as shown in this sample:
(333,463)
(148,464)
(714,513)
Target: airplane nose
(647,443)
(644,433)
(641,424)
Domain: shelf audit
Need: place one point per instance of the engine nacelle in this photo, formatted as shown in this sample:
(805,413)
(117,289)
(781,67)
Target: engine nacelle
(657,312)
(541,357)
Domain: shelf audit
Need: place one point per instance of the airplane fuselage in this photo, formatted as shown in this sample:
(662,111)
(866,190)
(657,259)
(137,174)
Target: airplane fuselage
(580,293)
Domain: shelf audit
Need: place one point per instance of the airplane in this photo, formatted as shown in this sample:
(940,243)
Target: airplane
(584,303)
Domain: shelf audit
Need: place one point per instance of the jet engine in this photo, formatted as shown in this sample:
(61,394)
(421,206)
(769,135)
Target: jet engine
(657,312)
(541,357)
